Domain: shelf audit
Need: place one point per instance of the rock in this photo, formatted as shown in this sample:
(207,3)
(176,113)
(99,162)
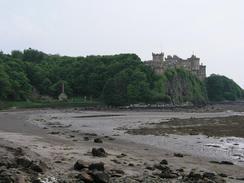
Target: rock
(193,176)
(91,134)
(150,168)
(99,152)
(79,165)
(209,175)
(116,171)
(8,163)
(167,175)
(178,155)
(23,161)
(54,133)
(226,163)
(166,172)
(100,177)
(180,170)
(131,164)
(39,166)
(6,177)
(222,175)
(86,138)
(222,162)
(240,178)
(116,161)
(161,167)
(193,133)
(96,166)
(164,162)
(84,176)
(98,140)
(121,155)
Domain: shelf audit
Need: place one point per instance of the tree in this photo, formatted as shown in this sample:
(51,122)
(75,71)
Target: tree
(221,88)
(34,56)
(4,83)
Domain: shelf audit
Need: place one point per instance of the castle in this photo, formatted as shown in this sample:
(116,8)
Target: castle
(159,64)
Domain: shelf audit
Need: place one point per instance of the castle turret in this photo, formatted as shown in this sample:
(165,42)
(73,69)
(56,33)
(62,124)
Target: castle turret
(158,57)
(195,62)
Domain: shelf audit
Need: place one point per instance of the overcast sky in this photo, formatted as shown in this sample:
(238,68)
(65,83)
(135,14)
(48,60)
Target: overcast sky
(212,29)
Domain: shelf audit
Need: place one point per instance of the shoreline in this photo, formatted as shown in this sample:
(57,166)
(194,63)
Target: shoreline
(69,145)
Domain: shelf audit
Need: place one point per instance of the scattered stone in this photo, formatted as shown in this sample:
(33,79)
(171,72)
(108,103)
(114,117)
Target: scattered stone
(116,161)
(240,178)
(97,166)
(194,176)
(209,175)
(164,162)
(168,175)
(38,166)
(86,138)
(54,133)
(205,177)
(24,161)
(100,177)
(99,152)
(116,171)
(98,140)
(222,175)
(91,134)
(150,168)
(79,165)
(180,170)
(226,163)
(179,155)
(193,133)
(84,176)
(121,155)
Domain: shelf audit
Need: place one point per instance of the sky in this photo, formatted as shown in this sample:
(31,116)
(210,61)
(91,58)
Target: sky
(211,29)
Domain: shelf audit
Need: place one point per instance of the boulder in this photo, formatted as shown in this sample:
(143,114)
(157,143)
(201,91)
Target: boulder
(99,152)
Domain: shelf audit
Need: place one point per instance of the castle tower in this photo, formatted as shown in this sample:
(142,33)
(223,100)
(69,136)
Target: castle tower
(195,62)
(158,57)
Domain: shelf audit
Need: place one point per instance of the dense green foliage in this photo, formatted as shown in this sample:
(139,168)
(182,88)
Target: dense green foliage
(222,88)
(117,80)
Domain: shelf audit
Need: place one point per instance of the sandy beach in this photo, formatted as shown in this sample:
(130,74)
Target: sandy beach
(61,137)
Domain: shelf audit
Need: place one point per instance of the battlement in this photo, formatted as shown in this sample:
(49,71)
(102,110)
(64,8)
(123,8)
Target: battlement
(159,64)
(158,57)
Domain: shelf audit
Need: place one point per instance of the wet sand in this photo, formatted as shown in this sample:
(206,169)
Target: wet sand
(58,135)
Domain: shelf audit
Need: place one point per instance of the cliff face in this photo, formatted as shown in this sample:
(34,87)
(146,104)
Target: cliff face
(182,86)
